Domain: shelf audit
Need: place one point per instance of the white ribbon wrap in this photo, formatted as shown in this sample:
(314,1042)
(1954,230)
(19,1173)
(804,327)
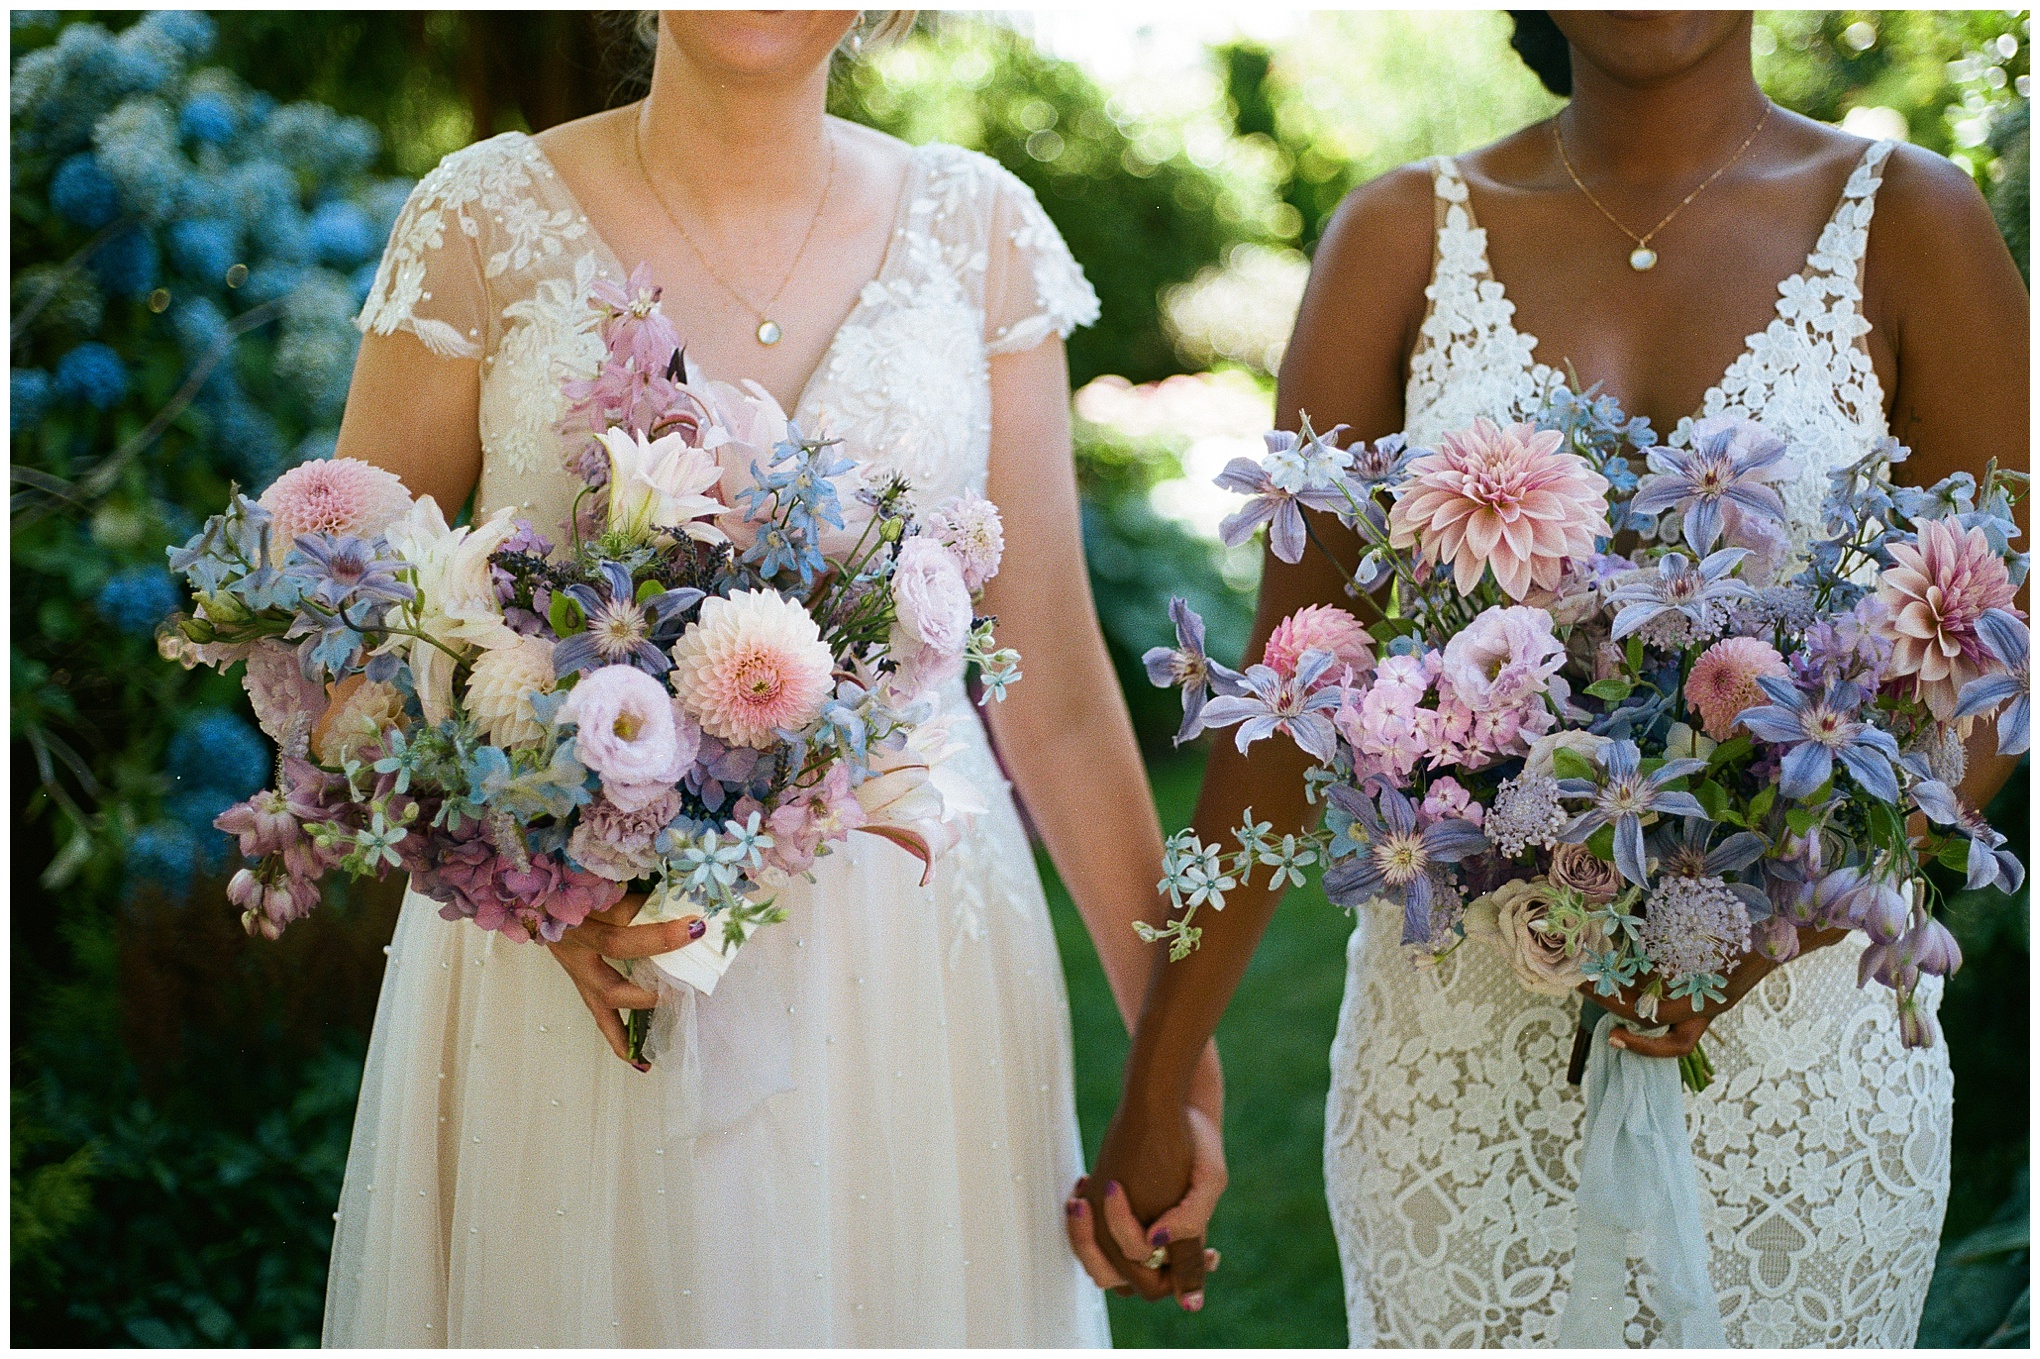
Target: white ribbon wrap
(1636,1175)
(716,1062)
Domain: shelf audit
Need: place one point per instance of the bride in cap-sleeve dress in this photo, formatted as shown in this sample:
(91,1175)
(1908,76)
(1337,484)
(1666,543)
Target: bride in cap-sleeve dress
(884,1116)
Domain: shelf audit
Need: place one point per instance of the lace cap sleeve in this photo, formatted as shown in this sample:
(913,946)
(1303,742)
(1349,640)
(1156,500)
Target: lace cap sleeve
(431,280)
(1033,286)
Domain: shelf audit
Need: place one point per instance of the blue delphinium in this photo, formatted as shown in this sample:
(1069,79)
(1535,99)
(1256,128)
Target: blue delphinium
(137,599)
(93,373)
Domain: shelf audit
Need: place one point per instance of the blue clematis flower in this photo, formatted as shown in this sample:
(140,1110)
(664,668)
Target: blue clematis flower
(2006,638)
(1186,666)
(1392,860)
(1699,593)
(622,630)
(1622,798)
(1820,731)
(1719,467)
(1267,703)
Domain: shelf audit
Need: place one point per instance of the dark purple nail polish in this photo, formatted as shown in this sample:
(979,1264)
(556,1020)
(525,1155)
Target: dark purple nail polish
(697,929)
(1075,1207)
(1159,1237)
(641,1067)
(1112,1190)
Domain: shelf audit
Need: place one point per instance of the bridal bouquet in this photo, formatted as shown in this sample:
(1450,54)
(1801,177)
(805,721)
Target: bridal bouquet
(725,670)
(1622,728)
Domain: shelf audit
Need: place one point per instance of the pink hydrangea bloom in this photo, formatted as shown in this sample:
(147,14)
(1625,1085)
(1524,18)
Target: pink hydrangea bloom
(753,665)
(541,898)
(1937,592)
(632,733)
(340,496)
(1320,627)
(1724,681)
(1509,499)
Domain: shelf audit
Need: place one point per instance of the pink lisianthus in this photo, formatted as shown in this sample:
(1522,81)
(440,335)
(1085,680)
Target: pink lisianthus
(1320,627)
(616,844)
(933,610)
(1447,800)
(631,732)
(1724,679)
(340,496)
(755,664)
(1509,499)
(1937,591)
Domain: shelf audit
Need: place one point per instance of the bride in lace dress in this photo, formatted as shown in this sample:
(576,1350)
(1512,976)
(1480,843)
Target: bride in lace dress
(1451,1140)
(861,1144)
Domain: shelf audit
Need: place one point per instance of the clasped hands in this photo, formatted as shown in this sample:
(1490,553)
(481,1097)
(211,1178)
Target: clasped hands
(1137,1222)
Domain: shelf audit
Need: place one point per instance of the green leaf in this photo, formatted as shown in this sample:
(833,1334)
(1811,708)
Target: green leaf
(1800,820)
(1612,689)
(565,615)
(1729,751)
(1761,803)
(1635,654)
(1570,764)
(1714,798)
(1954,854)
(1601,844)
(649,590)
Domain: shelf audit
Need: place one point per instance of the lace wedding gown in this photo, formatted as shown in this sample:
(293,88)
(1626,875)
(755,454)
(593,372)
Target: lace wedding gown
(1451,1135)
(875,1121)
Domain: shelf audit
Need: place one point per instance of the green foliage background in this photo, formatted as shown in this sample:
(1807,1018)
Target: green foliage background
(181,1097)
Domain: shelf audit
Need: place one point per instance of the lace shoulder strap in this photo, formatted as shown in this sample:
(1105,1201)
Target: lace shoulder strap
(1838,255)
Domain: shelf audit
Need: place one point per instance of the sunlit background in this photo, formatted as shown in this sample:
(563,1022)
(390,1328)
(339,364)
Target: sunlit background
(198,203)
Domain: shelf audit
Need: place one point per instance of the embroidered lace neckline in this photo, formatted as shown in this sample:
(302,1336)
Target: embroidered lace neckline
(887,266)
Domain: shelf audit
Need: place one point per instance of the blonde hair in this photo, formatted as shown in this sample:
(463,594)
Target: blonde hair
(874,29)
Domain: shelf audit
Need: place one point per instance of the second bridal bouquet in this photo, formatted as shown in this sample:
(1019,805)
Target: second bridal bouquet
(726,669)
(1623,729)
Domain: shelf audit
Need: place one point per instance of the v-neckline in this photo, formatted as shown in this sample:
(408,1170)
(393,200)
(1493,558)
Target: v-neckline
(1806,270)
(896,233)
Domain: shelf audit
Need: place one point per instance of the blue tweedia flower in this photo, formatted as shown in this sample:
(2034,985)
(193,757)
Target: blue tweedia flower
(1392,859)
(218,749)
(137,599)
(204,247)
(342,235)
(2008,639)
(162,856)
(1621,798)
(1733,464)
(1267,703)
(620,629)
(1701,595)
(126,264)
(209,117)
(1187,667)
(1819,731)
(28,395)
(94,374)
(83,193)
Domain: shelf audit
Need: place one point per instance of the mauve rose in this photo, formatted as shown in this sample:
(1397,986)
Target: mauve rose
(1576,867)
(1508,919)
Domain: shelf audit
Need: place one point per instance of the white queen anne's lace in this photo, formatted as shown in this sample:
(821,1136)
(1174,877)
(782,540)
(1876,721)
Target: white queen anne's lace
(1451,1135)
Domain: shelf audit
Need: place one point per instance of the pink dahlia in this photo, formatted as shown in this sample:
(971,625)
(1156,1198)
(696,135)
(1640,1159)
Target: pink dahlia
(755,664)
(1936,593)
(1724,681)
(1501,498)
(339,496)
(1319,627)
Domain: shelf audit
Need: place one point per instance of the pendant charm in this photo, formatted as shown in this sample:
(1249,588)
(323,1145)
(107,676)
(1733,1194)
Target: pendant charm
(1642,258)
(768,331)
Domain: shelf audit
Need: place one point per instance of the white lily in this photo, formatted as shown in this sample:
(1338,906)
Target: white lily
(658,483)
(456,604)
(916,799)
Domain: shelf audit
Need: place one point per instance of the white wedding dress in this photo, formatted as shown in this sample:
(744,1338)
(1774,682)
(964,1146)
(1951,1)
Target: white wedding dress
(1451,1136)
(881,1127)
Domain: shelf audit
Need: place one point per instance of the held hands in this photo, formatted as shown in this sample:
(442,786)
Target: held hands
(1147,1165)
(584,950)
(1685,1026)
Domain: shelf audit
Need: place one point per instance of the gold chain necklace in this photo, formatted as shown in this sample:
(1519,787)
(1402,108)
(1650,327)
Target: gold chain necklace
(769,330)
(1643,257)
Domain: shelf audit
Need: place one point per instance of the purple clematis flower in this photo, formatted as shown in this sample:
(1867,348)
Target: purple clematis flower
(342,569)
(1726,466)
(1989,862)
(1395,860)
(622,630)
(1819,732)
(1295,475)
(1268,703)
(1186,665)
(1700,593)
(1622,799)
(2006,638)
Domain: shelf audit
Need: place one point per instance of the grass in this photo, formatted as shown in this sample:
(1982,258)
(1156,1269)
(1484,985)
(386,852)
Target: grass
(1280,1284)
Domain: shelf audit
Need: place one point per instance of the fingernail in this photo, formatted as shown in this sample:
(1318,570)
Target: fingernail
(1075,1207)
(1159,1237)
(1193,1302)
(697,929)
(1112,1190)
(642,1067)
(1083,1184)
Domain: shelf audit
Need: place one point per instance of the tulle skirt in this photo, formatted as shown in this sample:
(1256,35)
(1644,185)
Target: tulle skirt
(865,1139)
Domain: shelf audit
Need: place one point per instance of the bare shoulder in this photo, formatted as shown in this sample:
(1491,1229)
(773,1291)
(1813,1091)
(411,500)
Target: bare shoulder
(1927,197)
(1936,260)
(1379,240)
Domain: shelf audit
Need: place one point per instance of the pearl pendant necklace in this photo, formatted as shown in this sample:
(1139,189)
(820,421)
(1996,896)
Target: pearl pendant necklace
(1642,258)
(768,331)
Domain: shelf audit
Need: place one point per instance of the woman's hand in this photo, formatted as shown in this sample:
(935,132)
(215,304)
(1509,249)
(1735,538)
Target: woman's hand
(1106,1233)
(1686,1026)
(584,949)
